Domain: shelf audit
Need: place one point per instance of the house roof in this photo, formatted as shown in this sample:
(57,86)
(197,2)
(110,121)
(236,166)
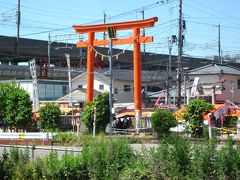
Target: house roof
(97,76)
(121,74)
(215,69)
(78,95)
(128,75)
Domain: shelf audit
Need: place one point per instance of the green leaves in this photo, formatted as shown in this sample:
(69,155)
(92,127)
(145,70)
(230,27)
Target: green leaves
(195,112)
(15,105)
(50,117)
(162,121)
(101,102)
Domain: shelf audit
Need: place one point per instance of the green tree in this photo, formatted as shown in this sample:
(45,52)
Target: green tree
(162,121)
(101,102)
(195,112)
(4,90)
(50,117)
(16,106)
(87,115)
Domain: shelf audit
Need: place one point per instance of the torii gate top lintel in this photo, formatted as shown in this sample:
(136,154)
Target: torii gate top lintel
(117,26)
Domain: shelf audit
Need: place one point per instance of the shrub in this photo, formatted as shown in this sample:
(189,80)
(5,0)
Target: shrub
(101,102)
(50,117)
(195,111)
(228,160)
(162,121)
(173,155)
(106,159)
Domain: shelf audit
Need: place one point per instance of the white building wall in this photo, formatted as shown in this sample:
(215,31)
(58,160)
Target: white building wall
(28,86)
(123,96)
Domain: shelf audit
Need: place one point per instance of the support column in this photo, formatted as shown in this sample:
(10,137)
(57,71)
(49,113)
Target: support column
(90,67)
(137,71)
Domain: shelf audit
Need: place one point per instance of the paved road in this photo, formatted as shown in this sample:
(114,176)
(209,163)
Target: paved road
(43,151)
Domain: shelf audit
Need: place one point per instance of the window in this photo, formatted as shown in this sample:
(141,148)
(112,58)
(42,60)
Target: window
(238,84)
(101,87)
(115,90)
(127,88)
(80,86)
(64,89)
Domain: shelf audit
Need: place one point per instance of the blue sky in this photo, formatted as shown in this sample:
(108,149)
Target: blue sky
(202,17)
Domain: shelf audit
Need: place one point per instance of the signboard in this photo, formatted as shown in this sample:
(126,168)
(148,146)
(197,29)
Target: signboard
(194,87)
(69,80)
(32,65)
(111,32)
(221,111)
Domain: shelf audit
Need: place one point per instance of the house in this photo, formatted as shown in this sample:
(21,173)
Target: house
(217,83)
(123,83)
(219,80)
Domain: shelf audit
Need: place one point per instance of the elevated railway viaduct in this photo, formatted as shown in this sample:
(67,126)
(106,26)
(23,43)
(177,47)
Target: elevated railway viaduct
(38,49)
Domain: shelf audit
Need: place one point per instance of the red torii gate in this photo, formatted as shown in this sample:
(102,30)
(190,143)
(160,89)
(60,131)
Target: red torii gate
(136,40)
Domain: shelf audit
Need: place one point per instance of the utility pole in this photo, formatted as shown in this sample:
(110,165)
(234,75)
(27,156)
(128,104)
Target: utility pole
(169,73)
(110,86)
(104,21)
(18,26)
(180,44)
(111,34)
(143,32)
(219,45)
(232,91)
(49,49)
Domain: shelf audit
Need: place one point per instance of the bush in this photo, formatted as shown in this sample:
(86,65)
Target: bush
(173,155)
(162,121)
(106,159)
(195,111)
(101,102)
(113,158)
(50,117)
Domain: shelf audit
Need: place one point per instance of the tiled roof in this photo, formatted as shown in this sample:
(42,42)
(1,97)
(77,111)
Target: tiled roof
(215,69)
(147,76)
(78,95)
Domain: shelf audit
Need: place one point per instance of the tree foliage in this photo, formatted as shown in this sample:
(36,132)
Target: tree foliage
(50,116)
(4,90)
(15,105)
(195,112)
(162,121)
(101,102)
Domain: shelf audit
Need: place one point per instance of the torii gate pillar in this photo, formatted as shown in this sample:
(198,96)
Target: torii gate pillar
(137,71)
(136,40)
(90,67)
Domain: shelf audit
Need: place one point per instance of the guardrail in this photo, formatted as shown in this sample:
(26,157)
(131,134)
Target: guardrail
(26,135)
(34,148)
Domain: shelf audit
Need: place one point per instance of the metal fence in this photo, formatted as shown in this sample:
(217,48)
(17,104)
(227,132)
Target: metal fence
(41,151)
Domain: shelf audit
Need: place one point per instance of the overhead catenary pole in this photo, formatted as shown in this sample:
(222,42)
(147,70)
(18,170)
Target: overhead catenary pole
(180,44)
(18,27)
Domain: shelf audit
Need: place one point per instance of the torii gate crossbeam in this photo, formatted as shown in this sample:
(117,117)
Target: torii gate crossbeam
(136,40)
